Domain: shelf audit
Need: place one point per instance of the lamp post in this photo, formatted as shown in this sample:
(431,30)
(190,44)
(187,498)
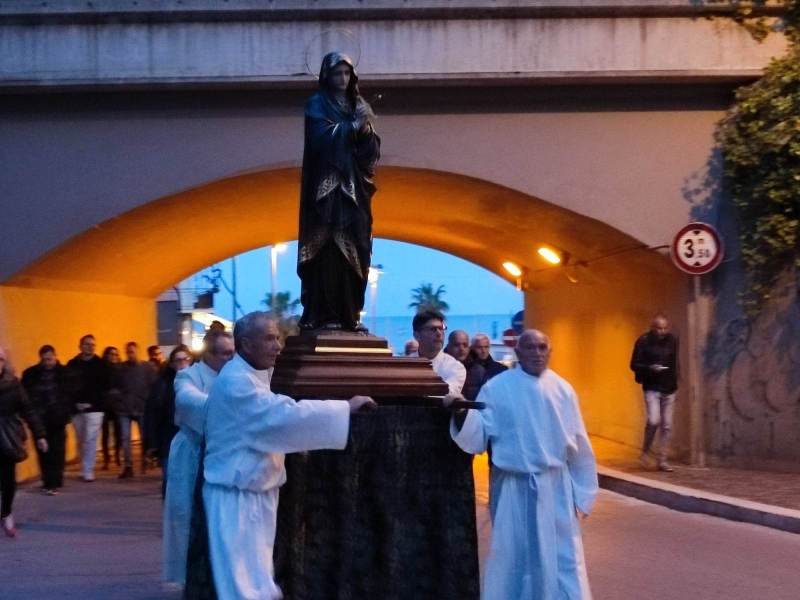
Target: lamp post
(274,250)
(374,273)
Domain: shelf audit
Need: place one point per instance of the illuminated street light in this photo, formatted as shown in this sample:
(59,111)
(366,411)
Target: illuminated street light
(274,250)
(372,277)
(549,255)
(512,268)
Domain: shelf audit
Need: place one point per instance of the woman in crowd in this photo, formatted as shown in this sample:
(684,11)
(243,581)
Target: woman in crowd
(13,404)
(110,417)
(48,387)
(161,409)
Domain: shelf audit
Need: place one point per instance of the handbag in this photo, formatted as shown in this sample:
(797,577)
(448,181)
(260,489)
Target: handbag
(12,439)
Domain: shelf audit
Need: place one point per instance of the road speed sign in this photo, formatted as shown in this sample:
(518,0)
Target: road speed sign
(697,249)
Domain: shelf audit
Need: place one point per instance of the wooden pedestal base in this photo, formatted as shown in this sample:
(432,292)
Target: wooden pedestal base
(333,364)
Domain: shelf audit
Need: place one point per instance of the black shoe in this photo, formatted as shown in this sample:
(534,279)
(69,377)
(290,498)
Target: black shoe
(127,473)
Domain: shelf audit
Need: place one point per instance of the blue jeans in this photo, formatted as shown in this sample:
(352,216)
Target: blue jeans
(125,422)
(660,408)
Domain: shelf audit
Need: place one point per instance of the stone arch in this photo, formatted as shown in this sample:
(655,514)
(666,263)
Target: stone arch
(105,279)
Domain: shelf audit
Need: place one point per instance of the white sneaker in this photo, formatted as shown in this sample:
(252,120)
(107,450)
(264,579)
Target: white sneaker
(9,526)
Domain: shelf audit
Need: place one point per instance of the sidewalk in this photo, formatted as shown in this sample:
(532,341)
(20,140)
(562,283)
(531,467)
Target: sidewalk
(761,497)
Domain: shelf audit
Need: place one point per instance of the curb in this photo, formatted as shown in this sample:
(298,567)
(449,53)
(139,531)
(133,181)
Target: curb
(691,500)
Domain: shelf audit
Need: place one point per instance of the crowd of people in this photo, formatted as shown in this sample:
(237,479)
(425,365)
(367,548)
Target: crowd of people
(100,396)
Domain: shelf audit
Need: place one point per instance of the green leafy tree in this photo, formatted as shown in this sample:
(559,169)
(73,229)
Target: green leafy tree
(760,142)
(426,298)
(284,311)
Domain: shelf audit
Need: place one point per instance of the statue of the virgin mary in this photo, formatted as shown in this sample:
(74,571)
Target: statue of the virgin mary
(335,246)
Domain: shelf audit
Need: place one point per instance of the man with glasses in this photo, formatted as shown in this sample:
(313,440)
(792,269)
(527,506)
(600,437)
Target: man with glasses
(191,393)
(429,328)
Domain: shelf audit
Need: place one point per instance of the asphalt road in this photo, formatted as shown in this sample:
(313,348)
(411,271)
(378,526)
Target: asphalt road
(102,541)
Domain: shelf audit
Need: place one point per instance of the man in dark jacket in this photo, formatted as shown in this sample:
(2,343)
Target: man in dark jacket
(90,375)
(48,387)
(655,363)
(137,380)
(481,354)
(458,348)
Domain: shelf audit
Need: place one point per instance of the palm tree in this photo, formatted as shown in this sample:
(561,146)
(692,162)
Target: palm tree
(284,312)
(283,306)
(425,298)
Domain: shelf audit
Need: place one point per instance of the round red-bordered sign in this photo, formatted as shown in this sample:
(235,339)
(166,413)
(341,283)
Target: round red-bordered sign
(697,249)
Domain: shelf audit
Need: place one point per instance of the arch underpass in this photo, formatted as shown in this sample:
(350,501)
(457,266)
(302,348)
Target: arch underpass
(105,279)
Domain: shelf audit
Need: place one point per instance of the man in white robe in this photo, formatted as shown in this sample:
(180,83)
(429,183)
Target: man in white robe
(543,479)
(429,331)
(191,392)
(248,430)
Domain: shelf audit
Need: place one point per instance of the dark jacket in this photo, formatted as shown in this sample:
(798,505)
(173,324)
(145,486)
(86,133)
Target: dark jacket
(137,379)
(90,382)
(650,350)
(113,395)
(14,403)
(160,417)
(491,366)
(50,393)
(478,373)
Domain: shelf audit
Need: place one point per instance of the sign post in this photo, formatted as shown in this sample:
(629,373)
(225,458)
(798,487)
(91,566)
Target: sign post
(697,249)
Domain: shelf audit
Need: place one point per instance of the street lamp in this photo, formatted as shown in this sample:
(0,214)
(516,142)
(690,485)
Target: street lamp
(517,272)
(274,250)
(372,277)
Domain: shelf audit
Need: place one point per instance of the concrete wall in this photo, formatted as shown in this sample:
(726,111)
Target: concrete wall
(281,52)
(626,166)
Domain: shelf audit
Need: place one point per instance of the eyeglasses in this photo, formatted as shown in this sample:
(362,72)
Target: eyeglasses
(182,358)
(434,329)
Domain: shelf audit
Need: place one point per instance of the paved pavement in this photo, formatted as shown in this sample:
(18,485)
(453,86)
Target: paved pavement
(101,541)
(94,541)
(768,487)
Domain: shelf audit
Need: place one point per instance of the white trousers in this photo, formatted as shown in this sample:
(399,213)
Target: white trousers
(241,536)
(87,427)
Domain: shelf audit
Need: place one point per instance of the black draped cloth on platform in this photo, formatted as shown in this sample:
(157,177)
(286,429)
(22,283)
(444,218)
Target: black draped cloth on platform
(391,517)
(199,579)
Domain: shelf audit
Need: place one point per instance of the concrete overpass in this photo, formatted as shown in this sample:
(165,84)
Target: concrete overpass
(145,140)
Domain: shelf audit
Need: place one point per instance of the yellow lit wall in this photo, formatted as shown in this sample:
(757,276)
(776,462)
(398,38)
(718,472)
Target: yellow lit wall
(32,317)
(593,328)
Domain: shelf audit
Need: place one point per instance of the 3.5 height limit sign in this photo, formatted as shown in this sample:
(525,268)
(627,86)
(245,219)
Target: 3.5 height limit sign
(697,249)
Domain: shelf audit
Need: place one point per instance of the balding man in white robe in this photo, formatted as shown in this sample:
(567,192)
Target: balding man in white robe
(191,393)
(248,430)
(543,480)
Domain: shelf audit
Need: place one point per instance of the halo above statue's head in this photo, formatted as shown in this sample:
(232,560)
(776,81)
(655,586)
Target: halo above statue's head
(337,40)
